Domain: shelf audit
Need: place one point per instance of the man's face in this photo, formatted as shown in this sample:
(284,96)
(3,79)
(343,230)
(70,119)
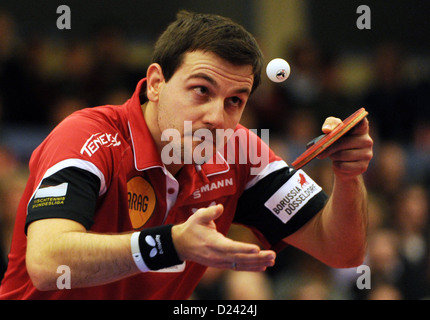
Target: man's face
(208,91)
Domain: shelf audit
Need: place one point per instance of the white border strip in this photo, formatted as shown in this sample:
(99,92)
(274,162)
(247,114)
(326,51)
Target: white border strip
(271,167)
(135,251)
(78,163)
(81,164)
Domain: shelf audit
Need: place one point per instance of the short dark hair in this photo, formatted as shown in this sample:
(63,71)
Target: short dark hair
(209,33)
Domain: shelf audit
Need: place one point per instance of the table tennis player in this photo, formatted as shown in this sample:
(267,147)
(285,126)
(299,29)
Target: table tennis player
(103,201)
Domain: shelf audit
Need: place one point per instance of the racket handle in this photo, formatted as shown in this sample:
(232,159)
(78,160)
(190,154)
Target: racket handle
(314,141)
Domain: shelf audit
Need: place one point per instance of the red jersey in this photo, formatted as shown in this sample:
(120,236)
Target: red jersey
(101,167)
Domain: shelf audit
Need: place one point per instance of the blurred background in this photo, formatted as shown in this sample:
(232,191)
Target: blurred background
(47,73)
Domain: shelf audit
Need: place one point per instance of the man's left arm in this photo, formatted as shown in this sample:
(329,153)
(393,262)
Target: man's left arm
(337,235)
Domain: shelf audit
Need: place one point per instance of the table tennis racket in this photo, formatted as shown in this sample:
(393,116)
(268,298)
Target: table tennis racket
(319,144)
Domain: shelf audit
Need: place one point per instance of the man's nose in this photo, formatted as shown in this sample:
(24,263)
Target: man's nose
(214,114)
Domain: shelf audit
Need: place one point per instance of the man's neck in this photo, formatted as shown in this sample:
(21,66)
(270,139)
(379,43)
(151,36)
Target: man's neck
(148,109)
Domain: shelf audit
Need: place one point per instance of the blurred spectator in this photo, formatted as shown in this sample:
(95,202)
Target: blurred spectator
(248,286)
(26,90)
(388,174)
(331,99)
(12,182)
(220,284)
(388,99)
(383,260)
(379,217)
(3,264)
(295,276)
(74,77)
(299,128)
(64,107)
(393,274)
(11,188)
(385,291)
(345,280)
(8,161)
(411,224)
(312,289)
(8,37)
(211,286)
(305,81)
(110,70)
(418,151)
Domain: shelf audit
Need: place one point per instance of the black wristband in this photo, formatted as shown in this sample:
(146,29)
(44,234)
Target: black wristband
(157,248)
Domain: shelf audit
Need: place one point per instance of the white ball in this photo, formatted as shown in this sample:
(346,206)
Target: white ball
(278,70)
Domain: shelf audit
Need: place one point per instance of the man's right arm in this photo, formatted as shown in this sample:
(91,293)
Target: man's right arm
(96,259)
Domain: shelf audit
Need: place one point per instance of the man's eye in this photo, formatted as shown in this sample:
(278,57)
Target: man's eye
(202,91)
(235,101)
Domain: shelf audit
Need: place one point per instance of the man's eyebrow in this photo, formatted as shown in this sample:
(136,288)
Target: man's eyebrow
(215,84)
(205,77)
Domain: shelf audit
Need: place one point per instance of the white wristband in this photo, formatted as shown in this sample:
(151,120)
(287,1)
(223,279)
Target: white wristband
(135,251)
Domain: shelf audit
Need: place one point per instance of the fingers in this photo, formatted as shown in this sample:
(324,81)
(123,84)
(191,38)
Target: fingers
(198,240)
(248,262)
(227,246)
(354,146)
(206,216)
(361,128)
(330,124)
(352,153)
(230,254)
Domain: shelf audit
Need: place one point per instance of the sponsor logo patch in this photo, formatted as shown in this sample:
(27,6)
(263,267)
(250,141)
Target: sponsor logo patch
(141,201)
(47,196)
(220,187)
(51,191)
(292,196)
(100,140)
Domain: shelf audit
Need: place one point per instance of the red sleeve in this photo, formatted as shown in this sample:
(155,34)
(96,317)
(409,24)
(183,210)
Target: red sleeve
(83,140)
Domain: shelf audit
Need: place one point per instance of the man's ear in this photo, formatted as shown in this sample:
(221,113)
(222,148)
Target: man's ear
(154,80)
